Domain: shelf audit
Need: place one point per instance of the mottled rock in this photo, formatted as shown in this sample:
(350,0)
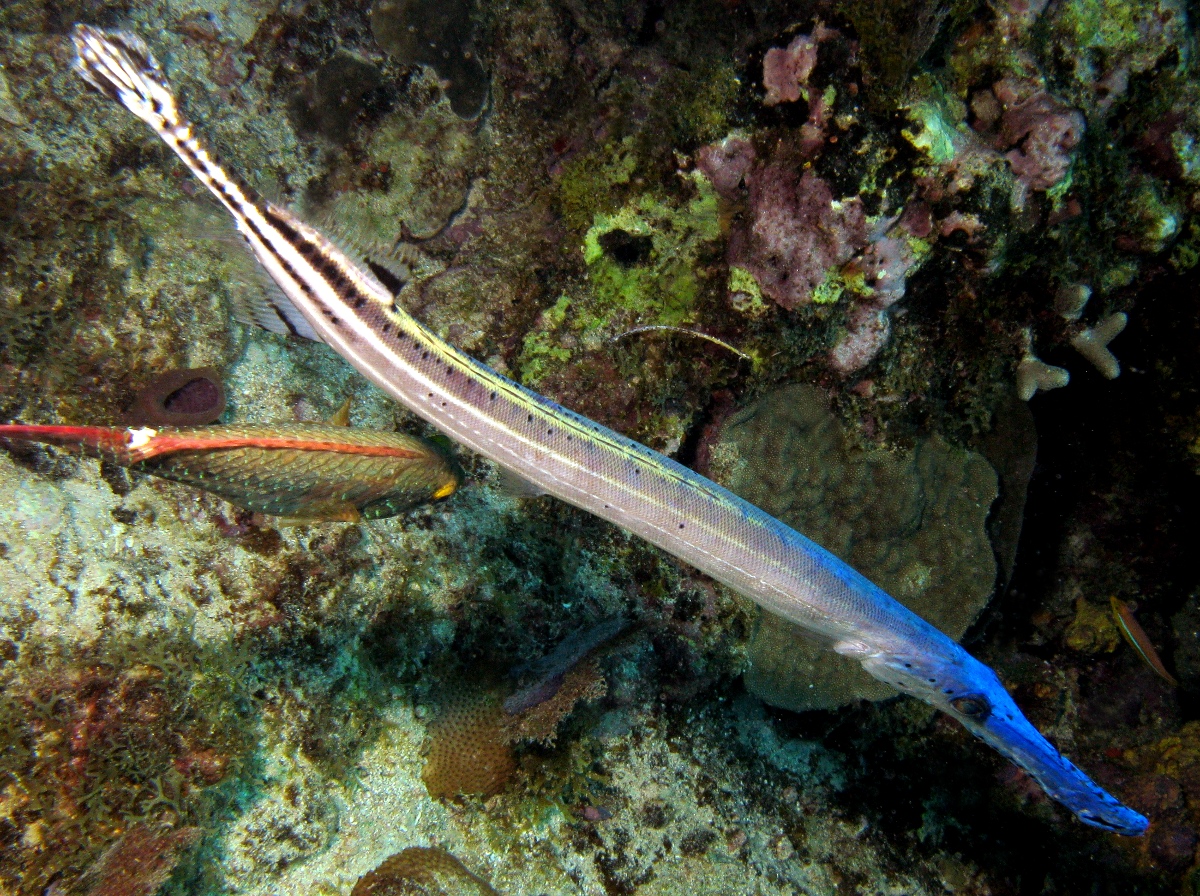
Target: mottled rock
(913,522)
(429,157)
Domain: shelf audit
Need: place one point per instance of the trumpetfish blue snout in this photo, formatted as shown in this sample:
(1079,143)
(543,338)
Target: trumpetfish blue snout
(333,298)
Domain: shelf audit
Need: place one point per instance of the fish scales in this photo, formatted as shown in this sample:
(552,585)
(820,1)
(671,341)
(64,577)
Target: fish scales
(301,470)
(296,481)
(593,467)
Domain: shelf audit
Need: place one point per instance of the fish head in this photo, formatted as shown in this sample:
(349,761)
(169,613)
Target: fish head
(966,689)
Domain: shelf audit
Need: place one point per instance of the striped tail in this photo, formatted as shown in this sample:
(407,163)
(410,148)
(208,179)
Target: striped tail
(122,67)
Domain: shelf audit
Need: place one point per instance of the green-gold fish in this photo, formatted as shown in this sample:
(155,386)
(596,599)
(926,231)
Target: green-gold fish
(305,471)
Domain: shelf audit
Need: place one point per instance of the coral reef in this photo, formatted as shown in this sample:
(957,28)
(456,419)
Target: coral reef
(906,203)
(439,35)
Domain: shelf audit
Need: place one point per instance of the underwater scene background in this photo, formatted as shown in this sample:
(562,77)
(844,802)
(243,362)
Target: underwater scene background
(916,277)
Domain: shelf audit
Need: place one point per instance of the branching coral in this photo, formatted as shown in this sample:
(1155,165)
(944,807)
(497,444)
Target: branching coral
(1092,343)
(1035,375)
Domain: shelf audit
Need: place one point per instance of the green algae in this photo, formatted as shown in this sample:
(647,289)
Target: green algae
(540,352)
(644,265)
(591,184)
(650,268)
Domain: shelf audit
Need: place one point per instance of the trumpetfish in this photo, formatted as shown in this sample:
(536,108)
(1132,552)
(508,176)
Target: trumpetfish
(331,297)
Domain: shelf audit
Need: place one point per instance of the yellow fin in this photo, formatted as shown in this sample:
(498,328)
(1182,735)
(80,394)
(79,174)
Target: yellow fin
(341,417)
(326,513)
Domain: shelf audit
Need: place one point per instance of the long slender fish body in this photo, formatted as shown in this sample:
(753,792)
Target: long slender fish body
(306,471)
(592,467)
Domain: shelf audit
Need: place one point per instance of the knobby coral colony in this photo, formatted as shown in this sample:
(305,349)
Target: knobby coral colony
(594,468)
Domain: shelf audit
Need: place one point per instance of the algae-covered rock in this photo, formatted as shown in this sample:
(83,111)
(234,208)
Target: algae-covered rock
(913,522)
(428,157)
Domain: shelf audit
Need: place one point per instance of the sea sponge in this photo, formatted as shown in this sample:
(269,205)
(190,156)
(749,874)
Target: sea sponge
(179,398)
(467,751)
(538,721)
(422,871)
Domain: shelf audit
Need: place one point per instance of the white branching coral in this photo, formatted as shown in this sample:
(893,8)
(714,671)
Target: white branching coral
(1093,342)
(1070,300)
(1034,374)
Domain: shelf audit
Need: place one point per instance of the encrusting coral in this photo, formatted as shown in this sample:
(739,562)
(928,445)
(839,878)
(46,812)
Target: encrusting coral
(467,752)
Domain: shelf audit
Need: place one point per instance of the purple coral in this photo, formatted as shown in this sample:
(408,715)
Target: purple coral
(786,71)
(798,232)
(885,266)
(1039,132)
(725,164)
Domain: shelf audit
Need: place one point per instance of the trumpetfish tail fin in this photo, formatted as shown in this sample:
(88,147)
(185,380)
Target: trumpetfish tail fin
(121,66)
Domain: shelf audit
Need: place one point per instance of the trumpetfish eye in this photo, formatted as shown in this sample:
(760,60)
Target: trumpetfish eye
(974,706)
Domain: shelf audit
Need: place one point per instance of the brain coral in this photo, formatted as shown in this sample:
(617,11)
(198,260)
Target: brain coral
(913,522)
(422,871)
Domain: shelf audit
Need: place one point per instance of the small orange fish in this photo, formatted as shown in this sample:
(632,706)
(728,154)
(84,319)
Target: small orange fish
(1139,640)
(306,471)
